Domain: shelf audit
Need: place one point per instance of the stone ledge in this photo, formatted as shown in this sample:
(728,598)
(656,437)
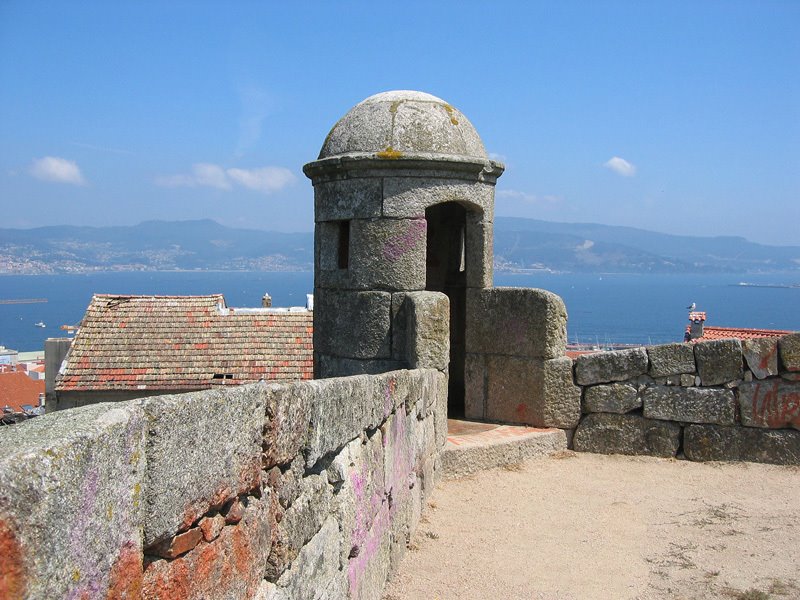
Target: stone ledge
(480,451)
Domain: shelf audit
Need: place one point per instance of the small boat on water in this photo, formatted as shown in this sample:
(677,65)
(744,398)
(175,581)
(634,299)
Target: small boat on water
(40,324)
(770,285)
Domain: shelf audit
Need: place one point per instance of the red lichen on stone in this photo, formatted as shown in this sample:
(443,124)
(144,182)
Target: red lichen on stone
(231,566)
(167,580)
(180,544)
(125,580)
(211,527)
(241,549)
(12,572)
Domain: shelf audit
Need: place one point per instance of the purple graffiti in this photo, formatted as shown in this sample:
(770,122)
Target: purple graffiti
(397,247)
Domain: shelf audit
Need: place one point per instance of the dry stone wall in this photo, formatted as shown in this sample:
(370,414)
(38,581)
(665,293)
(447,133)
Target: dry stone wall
(714,400)
(304,490)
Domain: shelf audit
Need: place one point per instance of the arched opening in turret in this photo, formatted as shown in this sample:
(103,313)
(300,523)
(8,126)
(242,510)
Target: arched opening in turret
(446,272)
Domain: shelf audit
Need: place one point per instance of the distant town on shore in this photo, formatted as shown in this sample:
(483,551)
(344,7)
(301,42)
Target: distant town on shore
(521,245)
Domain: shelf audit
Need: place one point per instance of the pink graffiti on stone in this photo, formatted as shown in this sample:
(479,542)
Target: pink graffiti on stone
(91,579)
(397,247)
(388,400)
(375,512)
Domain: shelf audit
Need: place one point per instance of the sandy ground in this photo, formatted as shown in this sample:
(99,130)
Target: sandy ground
(584,526)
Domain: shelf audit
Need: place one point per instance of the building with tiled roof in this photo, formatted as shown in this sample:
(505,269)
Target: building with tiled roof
(19,396)
(134,346)
(697,331)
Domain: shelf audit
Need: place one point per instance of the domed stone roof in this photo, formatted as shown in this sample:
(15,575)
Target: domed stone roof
(402,124)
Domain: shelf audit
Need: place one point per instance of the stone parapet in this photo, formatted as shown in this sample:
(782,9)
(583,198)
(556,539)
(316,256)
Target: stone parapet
(670,359)
(604,367)
(522,322)
(724,399)
(72,506)
(255,491)
(789,351)
(719,361)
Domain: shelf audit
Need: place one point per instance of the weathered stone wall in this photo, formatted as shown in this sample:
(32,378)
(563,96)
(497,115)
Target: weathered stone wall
(516,371)
(304,490)
(714,400)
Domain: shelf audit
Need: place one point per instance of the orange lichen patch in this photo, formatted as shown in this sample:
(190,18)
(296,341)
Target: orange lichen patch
(12,573)
(177,545)
(390,153)
(125,581)
(231,566)
(241,550)
(450,111)
(167,580)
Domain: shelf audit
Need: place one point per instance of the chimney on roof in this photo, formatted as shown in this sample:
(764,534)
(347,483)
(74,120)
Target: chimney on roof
(266,301)
(697,319)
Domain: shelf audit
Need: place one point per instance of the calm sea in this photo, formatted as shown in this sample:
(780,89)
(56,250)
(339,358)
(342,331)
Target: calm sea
(639,309)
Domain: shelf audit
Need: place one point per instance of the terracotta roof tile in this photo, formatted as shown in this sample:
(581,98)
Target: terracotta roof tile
(16,389)
(184,342)
(721,333)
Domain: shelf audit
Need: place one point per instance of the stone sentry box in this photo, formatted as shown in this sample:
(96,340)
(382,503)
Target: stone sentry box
(404,203)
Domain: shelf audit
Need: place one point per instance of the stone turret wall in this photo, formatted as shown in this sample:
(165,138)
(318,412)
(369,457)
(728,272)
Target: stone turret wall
(714,400)
(516,369)
(265,491)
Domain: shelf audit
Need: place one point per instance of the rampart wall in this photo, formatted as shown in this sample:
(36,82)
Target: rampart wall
(713,400)
(305,490)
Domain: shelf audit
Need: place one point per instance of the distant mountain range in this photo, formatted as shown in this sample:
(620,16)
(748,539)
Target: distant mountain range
(588,247)
(520,244)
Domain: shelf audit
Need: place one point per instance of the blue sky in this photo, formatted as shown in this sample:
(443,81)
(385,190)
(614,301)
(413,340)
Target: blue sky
(681,117)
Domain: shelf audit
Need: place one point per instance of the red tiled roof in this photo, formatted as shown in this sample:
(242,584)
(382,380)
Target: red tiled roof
(722,333)
(184,342)
(16,389)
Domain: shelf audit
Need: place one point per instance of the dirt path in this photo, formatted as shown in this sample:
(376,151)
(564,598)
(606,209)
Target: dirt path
(583,526)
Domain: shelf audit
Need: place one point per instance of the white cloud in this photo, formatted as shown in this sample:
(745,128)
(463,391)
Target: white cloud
(265,179)
(211,176)
(61,170)
(621,166)
(202,175)
(527,198)
(498,157)
(262,179)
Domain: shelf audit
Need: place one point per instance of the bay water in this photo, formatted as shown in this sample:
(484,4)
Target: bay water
(602,308)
